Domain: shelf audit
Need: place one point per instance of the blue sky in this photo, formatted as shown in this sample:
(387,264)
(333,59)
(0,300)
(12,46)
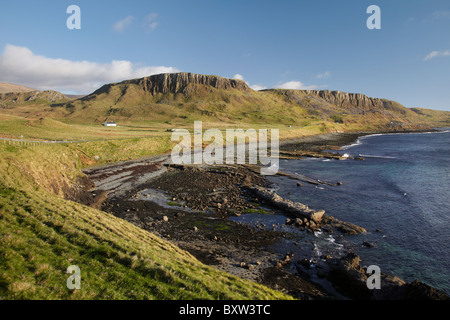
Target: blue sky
(292,44)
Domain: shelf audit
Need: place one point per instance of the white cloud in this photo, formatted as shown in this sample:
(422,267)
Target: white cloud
(295,85)
(21,66)
(255,87)
(238,76)
(258,87)
(435,54)
(121,25)
(324,75)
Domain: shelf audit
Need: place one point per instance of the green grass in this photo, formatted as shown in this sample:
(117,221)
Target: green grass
(174,204)
(41,235)
(258,211)
(60,130)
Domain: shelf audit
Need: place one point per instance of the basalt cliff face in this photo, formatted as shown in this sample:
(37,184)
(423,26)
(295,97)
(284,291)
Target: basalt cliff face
(180,82)
(352,100)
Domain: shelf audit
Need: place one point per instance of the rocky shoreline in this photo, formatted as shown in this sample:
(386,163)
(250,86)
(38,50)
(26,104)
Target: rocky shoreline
(202,209)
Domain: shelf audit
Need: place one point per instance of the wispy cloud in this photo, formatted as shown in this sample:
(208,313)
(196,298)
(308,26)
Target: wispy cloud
(20,65)
(438,15)
(150,22)
(436,54)
(324,75)
(286,73)
(121,25)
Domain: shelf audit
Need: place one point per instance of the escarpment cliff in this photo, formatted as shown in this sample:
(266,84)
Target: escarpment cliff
(179,82)
(354,100)
(185,97)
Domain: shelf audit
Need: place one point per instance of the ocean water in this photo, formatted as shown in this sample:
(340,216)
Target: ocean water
(400,193)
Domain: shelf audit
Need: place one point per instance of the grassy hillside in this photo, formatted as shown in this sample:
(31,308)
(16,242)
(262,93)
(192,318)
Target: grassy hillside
(41,234)
(165,101)
(9,87)
(129,103)
(180,99)
(433,117)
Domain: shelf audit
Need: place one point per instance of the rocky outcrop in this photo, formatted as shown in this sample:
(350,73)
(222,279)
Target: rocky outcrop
(330,223)
(353,100)
(48,95)
(314,219)
(350,278)
(13,98)
(288,206)
(179,83)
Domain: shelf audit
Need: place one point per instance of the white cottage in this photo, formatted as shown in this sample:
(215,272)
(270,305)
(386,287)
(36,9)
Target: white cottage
(110,124)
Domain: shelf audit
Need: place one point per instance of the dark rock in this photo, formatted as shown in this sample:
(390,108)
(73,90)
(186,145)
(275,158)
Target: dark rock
(368,244)
(417,290)
(305,263)
(349,277)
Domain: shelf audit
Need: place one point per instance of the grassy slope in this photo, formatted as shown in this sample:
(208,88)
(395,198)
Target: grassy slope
(128,103)
(41,234)
(433,117)
(9,87)
(140,114)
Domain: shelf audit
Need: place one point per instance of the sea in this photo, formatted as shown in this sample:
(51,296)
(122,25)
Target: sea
(400,193)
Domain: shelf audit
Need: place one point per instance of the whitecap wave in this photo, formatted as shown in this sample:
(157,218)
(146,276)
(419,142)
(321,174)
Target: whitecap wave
(376,156)
(356,143)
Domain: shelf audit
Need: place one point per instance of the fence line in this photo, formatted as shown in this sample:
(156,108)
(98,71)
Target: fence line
(43,143)
(33,142)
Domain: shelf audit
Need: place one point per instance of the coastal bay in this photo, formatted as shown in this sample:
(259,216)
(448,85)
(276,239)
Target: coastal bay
(206,211)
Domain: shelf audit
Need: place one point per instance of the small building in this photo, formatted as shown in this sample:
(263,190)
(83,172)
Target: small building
(110,124)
